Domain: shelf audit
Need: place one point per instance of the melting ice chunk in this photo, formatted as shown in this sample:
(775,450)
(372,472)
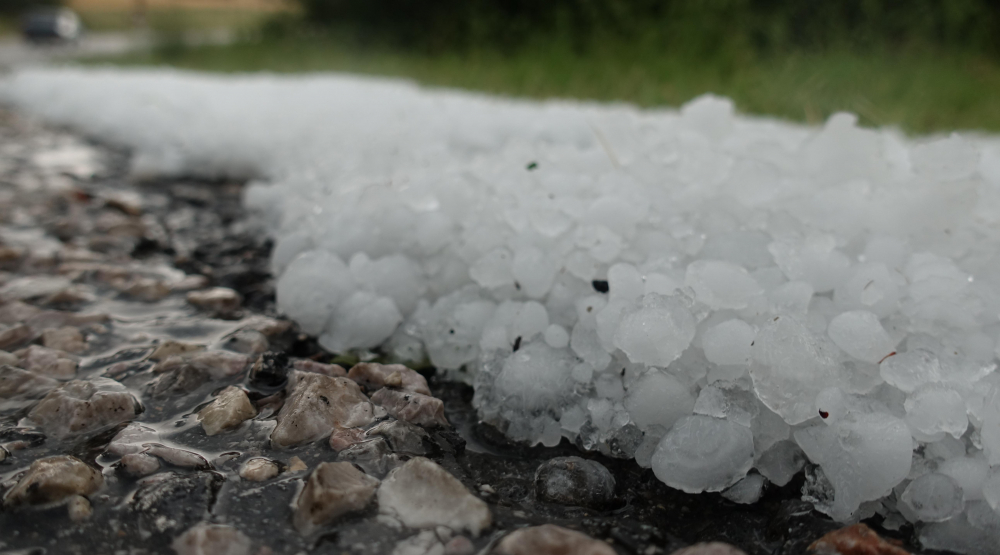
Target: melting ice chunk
(861,335)
(933,497)
(790,367)
(655,330)
(864,456)
(701,453)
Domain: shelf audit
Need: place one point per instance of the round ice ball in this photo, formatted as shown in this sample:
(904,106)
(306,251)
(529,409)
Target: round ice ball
(702,453)
(933,497)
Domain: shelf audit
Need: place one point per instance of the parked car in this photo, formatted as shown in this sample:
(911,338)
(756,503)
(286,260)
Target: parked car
(51,25)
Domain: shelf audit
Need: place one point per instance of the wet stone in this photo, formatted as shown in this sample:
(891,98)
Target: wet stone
(402,437)
(78,508)
(415,408)
(856,539)
(574,481)
(171,502)
(217,364)
(332,370)
(131,439)
(331,491)
(212,539)
(227,411)
(84,407)
(54,479)
(709,548)
(259,469)
(375,376)
(316,405)
(20,388)
(178,381)
(180,458)
(342,438)
(373,456)
(8,359)
(138,465)
(148,290)
(48,362)
(248,342)
(14,336)
(421,494)
(67,339)
(219,300)
(270,370)
(168,349)
(549,539)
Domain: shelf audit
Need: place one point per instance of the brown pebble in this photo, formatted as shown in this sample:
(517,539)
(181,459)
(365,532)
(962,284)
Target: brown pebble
(856,539)
(549,539)
(709,548)
(68,339)
(219,300)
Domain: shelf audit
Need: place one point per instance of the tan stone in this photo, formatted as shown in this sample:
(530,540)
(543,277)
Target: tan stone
(79,407)
(316,405)
(332,490)
(47,362)
(212,539)
(375,376)
(67,339)
(79,509)
(20,388)
(230,409)
(421,494)
(549,539)
(259,469)
(710,548)
(217,299)
(53,479)
(422,410)
(332,370)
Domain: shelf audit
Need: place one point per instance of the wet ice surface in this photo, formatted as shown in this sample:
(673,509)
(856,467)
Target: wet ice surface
(203,462)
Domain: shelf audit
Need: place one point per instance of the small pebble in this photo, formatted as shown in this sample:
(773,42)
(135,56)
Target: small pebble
(54,479)
(67,339)
(857,539)
(138,465)
(421,494)
(212,539)
(259,469)
(549,539)
(230,409)
(574,481)
(415,408)
(79,508)
(219,300)
(296,464)
(331,491)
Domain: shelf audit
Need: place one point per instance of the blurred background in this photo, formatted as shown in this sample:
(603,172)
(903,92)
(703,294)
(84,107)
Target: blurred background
(922,65)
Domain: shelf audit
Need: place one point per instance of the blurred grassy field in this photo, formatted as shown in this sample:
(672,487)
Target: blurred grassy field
(919,91)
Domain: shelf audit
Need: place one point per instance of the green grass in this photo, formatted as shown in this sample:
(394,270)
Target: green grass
(917,91)
(192,19)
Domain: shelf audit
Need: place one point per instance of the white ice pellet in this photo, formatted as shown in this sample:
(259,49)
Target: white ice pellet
(702,453)
(728,342)
(791,365)
(879,443)
(910,370)
(935,410)
(655,330)
(933,497)
(861,335)
(721,284)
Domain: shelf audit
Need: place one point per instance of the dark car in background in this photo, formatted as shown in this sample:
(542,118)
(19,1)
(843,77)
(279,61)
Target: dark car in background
(51,25)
